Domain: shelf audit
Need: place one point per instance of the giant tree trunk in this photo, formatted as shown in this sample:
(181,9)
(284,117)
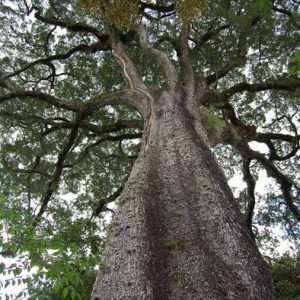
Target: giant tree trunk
(178,233)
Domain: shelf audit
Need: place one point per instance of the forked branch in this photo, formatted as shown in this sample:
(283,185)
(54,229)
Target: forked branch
(284,181)
(160,57)
(129,68)
(237,134)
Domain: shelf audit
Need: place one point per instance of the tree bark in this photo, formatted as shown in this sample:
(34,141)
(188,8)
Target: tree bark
(177,233)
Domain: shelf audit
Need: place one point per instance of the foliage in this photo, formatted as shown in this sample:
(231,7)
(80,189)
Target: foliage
(63,259)
(294,66)
(286,275)
(188,10)
(126,13)
(118,12)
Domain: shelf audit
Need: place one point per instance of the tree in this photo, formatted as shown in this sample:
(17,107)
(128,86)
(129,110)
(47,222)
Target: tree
(81,82)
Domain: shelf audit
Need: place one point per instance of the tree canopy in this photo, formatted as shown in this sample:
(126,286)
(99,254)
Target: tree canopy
(69,138)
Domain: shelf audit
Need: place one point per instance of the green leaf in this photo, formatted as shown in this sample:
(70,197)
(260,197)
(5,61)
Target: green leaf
(6,246)
(293,69)
(17,271)
(70,275)
(65,292)
(73,294)
(2,267)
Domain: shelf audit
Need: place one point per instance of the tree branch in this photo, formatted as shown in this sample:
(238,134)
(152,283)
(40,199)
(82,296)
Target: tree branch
(130,71)
(287,13)
(80,48)
(284,181)
(160,57)
(7,84)
(42,97)
(236,62)
(31,171)
(289,84)
(185,63)
(75,27)
(115,138)
(61,123)
(103,202)
(239,135)
(208,35)
(250,193)
(241,52)
(123,97)
(135,98)
(56,175)
(265,137)
(104,39)
(95,129)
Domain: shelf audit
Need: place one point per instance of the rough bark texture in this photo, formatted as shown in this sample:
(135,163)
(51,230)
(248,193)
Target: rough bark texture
(178,233)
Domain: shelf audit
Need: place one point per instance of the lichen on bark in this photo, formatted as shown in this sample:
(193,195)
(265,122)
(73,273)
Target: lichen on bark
(214,125)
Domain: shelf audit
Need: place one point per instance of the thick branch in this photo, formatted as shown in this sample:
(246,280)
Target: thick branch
(135,98)
(207,95)
(274,155)
(265,137)
(289,84)
(130,71)
(160,57)
(122,124)
(185,63)
(223,71)
(41,97)
(284,181)
(123,97)
(104,39)
(239,135)
(140,95)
